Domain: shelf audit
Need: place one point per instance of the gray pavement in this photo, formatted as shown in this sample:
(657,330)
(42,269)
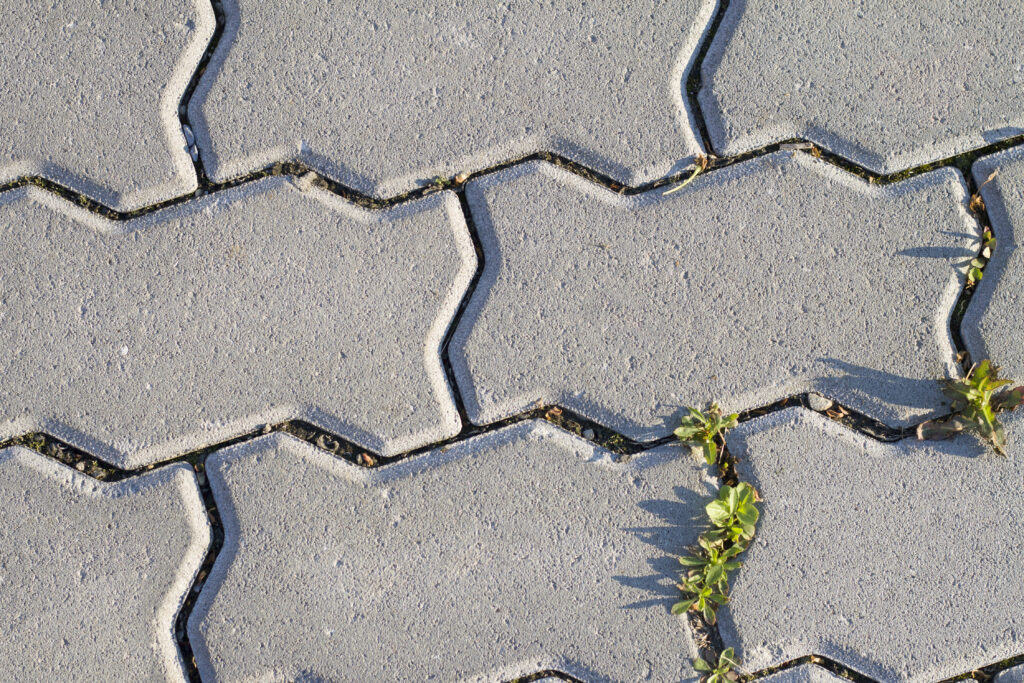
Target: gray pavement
(900,561)
(517,551)
(888,85)
(92,574)
(89,95)
(270,301)
(589,299)
(386,98)
(200,339)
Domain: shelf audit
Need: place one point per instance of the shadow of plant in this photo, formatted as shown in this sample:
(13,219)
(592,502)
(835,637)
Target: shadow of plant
(681,520)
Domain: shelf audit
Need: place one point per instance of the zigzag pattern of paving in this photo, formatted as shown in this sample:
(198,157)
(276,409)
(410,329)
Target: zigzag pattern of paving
(400,94)
(266,302)
(573,272)
(162,300)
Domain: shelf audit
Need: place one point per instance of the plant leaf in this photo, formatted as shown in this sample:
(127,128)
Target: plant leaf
(682,606)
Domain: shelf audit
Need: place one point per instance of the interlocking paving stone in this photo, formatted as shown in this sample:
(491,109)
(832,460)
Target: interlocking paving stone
(889,85)
(269,301)
(89,94)
(517,551)
(902,561)
(994,325)
(779,275)
(387,96)
(93,574)
(1014,675)
(805,673)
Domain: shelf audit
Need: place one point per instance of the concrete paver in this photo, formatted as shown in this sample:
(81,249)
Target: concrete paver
(93,574)
(779,275)
(388,96)
(902,561)
(89,94)
(994,325)
(270,301)
(1014,675)
(888,85)
(517,551)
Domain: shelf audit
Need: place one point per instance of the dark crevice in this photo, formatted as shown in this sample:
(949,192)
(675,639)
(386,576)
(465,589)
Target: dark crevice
(988,672)
(220,19)
(706,637)
(547,673)
(299,168)
(695,78)
(980,212)
(824,662)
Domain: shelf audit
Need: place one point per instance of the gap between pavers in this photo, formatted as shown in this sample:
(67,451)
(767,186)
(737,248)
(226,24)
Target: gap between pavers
(993,326)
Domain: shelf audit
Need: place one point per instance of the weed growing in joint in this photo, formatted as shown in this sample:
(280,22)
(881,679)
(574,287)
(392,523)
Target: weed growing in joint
(706,430)
(976,400)
(974,272)
(733,515)
(722,671)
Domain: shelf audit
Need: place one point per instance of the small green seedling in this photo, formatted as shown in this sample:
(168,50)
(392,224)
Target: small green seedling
(714,564)
(705,598)
(976,400)
(734,515)
(974,272)
(723,671)
(705,430)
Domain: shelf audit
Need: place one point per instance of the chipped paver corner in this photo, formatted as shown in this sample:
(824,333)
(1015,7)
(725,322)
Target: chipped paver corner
(533,550)
(100,570)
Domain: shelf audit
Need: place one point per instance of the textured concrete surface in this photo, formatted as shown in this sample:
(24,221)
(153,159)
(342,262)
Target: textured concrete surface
(270,301)
(753,283)
(269,297)
(517,551)
(888,85)
(1014,675)
(994,324)
(89,94)
(805,673)
(388,96)
(902,561)
(92,574)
